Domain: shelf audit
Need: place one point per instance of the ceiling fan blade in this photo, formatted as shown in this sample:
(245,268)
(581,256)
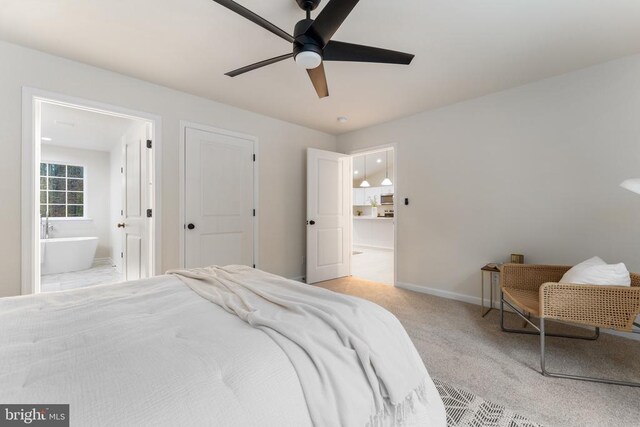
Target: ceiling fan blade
(330,19)
(256,19)
(258,65)
(319,80)
(340,51)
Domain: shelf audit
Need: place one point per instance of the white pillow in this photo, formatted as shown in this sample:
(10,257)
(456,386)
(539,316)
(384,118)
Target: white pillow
(595,271)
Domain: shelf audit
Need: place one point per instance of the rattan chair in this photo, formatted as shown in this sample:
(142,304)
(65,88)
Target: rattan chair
(534,290)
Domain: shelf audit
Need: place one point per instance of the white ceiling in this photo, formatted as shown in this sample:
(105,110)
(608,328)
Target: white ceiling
(72,127)
(463,48)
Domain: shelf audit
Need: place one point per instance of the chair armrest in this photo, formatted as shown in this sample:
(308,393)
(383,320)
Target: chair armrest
(635,279)
(530,276)
(611,307)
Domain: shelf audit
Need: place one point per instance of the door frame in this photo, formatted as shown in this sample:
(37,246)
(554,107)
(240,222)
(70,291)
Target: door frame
(396,200)
(32,100)
(182,171)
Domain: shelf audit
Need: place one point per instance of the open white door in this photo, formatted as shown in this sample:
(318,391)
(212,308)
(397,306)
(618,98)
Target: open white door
(219,199)
(135,225)
(328,215)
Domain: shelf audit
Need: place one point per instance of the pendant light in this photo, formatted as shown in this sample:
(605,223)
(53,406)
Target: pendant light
(364,182)
(386,181)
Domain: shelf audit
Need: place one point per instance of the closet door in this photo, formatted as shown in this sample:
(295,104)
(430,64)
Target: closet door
(219,199)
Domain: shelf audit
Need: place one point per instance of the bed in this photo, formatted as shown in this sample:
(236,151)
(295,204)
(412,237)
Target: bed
(183,350)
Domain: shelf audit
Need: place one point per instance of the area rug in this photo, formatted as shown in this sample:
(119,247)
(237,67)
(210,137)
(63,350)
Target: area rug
(465,409)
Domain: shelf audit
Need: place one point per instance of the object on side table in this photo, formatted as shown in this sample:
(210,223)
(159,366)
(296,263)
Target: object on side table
(536,289)
(517,259)
(491,268)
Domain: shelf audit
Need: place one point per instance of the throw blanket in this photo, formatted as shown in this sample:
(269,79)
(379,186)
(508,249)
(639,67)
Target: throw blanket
(343,349)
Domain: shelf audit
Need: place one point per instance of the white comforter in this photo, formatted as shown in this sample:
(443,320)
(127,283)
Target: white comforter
(154,353)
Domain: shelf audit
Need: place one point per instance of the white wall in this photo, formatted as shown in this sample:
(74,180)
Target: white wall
(282,154)
(532,170)
(97,184)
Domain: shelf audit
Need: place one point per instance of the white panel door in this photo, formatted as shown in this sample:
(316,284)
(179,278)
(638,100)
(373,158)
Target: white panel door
(219,199)
(328,215)
(136,227)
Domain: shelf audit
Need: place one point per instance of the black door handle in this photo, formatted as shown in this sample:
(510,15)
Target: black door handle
(312,222)
(122,225)
(191,226)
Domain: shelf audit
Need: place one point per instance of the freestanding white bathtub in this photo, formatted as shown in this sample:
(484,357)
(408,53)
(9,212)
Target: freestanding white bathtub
(61,255)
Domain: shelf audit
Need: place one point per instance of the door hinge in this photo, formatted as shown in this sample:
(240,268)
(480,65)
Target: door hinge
(149,143)
(121,212)
(254,212)
(254,157)
(121,170)
(121,254)
(254,266)
(149,213)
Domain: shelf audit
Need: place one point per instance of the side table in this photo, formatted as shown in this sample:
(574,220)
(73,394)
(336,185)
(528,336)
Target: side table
(491,269)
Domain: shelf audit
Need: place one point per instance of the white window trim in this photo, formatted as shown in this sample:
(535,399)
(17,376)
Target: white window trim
(85,191)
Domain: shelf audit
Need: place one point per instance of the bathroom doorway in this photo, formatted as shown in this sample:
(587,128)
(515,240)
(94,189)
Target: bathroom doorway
(374,215)
(93,215)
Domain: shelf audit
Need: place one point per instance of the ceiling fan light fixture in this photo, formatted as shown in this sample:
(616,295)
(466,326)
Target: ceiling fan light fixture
(308,59)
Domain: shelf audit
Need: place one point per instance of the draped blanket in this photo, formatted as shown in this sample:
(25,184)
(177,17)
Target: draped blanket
(356,363)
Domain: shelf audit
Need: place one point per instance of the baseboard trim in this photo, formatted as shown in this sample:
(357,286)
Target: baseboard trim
(628,335)
(381,248)
(439,293)
(297,278)
(99,262)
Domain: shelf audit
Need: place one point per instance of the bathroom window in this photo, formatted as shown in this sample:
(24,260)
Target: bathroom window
(62,190)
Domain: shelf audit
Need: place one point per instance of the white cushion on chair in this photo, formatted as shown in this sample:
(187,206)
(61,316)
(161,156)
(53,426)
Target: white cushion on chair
(595,271)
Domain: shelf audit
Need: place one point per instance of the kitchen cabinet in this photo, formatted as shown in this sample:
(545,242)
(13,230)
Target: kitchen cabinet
(373,232)
(358,197)
(363,196)
(370,193)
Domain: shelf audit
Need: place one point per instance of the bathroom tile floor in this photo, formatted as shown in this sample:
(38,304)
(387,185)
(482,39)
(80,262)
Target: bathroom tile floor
(98,275)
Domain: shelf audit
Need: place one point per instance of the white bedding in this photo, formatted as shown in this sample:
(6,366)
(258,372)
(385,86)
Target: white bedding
(154,353)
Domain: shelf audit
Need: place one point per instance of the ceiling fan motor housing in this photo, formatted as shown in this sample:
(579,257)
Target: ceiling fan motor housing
(308,4)
(303,42)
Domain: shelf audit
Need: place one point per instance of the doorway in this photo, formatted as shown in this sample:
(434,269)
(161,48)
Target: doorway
(90,188)
(373,243)
(351,215)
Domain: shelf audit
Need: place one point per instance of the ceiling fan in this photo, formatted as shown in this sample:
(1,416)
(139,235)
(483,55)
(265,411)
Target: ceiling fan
(312,42)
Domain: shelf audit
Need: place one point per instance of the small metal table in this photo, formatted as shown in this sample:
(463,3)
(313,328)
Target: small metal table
(490,268)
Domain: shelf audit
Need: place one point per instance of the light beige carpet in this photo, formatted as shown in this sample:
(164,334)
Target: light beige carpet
(467,351)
